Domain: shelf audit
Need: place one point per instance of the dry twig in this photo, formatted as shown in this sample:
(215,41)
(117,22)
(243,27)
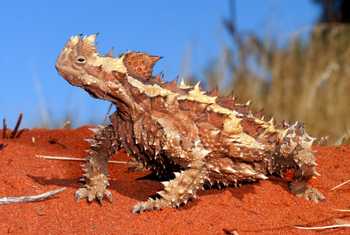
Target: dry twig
(33,198)
(73,159)
(340,223)
(324,227)
(18,123)
(4,128)
(16,132)
(336,187)
(342,210)
(340,185)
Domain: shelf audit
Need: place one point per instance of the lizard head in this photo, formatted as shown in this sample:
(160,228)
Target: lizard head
(103,77)
(297,160)
(81,65)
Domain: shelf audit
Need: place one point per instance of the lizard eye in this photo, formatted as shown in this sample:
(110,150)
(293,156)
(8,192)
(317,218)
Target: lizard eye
(81,60)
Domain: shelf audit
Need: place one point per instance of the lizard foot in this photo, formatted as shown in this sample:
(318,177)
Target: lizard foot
(312,194)
(95,189)
(177,191)
(91,194)
(301,189)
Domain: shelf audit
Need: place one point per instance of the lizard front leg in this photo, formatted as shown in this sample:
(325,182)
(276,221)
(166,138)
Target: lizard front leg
(102,146)
(300,184)
(178,191)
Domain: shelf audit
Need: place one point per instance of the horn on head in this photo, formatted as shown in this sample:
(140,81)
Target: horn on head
(91,39)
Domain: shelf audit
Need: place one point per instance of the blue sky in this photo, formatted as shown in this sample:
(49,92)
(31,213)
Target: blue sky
(34,32)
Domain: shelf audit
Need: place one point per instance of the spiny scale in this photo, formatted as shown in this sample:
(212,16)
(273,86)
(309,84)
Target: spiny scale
(177,128)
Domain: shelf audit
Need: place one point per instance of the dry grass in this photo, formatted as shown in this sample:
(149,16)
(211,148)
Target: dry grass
(307,80)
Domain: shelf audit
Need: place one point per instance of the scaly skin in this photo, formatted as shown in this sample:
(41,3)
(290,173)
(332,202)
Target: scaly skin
(170,127)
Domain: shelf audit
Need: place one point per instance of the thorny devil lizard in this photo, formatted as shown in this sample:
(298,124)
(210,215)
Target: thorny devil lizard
(175,128)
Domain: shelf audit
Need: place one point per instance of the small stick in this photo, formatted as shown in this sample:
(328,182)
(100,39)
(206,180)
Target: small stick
(33,198)
(4,128)
(342,210)
(339,185)
(73,159)
(324,227)
(18,123)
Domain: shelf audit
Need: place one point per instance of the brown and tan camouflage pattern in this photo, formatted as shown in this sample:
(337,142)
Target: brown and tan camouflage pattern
(180,130)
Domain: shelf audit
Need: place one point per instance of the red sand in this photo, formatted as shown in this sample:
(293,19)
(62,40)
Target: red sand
(260,208)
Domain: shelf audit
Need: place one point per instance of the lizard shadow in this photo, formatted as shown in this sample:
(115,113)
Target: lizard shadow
(136,186)
(251,187)
(142,187)
(245,188)
(242,191)
(69,183)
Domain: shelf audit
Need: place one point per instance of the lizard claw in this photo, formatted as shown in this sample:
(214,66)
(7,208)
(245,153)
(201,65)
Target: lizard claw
(92,193)
(99,196)
(139,207)
(108,195)
(312,194)
(301,189)
(80,193)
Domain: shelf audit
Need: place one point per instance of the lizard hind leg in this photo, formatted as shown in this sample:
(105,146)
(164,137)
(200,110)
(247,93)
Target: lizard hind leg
(102,147)
(176,191)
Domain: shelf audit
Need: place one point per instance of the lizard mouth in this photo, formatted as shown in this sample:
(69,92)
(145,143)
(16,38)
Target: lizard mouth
(69,74)
(64,70)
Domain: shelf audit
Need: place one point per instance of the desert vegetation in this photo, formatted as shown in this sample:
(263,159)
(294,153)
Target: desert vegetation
(306,79)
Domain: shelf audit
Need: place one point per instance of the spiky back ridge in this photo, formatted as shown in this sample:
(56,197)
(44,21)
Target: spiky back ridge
(231,129)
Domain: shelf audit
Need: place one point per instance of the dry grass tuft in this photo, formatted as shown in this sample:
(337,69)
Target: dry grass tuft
(307,80)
